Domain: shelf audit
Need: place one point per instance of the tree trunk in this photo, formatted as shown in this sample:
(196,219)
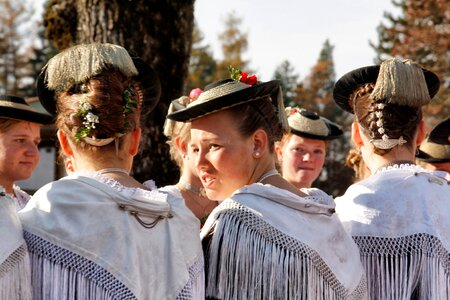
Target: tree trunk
(158,31)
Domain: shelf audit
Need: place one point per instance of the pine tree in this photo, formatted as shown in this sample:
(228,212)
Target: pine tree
(315,93)
(234,44)
(286,74)
(202,66)
(421,33)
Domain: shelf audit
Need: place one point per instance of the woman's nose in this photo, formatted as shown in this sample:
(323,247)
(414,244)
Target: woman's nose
(32,150)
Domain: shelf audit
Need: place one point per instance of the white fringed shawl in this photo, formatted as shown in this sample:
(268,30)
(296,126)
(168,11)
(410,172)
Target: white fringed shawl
(267,243)
(84,247)
(15,281)
(400,219)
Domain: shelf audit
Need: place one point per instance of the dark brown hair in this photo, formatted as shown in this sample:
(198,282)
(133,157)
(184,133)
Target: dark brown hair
(398,120)
(256,115)
(105,93)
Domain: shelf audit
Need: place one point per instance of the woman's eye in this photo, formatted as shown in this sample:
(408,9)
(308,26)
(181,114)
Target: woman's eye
(214,146)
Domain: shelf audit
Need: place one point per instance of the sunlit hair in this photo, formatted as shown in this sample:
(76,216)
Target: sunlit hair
(398,120)
(105,92)
(354,160)
(258,115)
(183,132)
(288,135)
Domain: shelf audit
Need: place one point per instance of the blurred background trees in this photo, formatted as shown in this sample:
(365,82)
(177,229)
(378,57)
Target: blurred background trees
(141,27)
(422,33)
(178,52)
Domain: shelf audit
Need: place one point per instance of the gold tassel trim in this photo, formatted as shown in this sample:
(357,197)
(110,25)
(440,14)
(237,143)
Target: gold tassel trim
(401,82)
(65,69)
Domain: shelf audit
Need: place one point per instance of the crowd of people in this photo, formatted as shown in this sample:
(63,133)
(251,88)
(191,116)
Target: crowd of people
(243,221)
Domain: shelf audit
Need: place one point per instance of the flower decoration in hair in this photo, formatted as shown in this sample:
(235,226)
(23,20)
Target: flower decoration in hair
(129,97)
(130,100)
(237,75)
(89,119)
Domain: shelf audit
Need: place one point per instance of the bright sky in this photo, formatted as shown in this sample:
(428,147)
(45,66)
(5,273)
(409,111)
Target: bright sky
(295,30)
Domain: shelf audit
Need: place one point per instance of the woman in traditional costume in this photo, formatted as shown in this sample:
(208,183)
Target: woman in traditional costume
(98,233)
(267,239)
(189,186)
(20,135)
(301,152)
(400,215)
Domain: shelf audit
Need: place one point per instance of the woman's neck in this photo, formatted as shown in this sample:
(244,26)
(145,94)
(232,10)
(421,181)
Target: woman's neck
(91,165)
(396,156)
(8,186)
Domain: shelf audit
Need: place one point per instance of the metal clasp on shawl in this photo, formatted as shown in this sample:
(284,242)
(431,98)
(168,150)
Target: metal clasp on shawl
(139,213)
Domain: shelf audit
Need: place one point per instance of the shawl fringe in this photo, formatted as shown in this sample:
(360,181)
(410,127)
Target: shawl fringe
(15,280)
(61,274)
(411,267)
(249,259)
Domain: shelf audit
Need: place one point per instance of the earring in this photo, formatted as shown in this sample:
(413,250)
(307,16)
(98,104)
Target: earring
(257,154)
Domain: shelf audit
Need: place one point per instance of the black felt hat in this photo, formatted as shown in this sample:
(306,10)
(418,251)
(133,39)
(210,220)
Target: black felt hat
(17,108)
(228,93)
(441,133)
(77,64)
(348,83)
(436,148)
(309,124)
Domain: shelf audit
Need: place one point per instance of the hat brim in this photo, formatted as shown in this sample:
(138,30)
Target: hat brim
(25,115)
(334,132)
(256,92)
(440,134)
(146,78)
(349,82)
(422,156)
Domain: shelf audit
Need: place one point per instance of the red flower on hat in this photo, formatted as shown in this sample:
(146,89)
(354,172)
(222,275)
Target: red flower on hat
(248,80)
(238,75)
(193,95)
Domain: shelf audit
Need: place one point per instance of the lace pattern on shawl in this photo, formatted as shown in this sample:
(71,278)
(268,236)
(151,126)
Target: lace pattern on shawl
(88,276)
(71,276)
(195,286)
(250,259)
(15,275)
(410,267)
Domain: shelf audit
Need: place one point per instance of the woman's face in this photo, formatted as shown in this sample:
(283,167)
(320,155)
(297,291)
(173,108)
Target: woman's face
(301,160)
(223,157)
(19,153)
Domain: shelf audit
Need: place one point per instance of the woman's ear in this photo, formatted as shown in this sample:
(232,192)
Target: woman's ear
(279,150)
(64,143)
(356,135)
(421,134)
(260,143)
(135,141)
(180,145)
